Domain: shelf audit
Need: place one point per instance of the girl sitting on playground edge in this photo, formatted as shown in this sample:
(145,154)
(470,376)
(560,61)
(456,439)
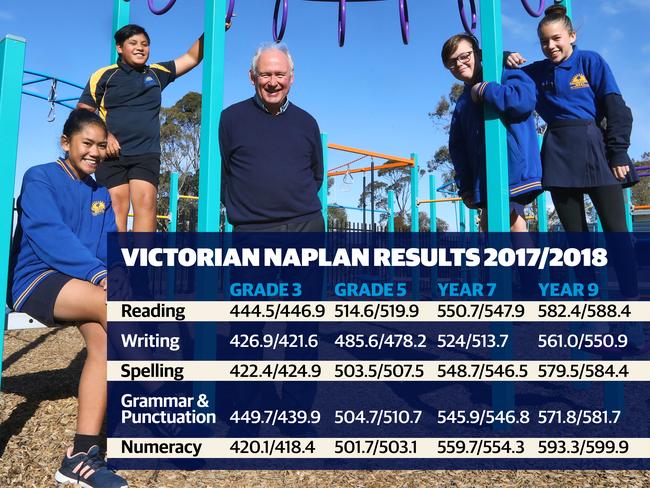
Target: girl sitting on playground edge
(59,275)
(127,96)
(514,101)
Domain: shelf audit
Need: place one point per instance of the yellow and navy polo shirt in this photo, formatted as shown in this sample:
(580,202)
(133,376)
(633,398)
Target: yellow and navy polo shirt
(129,102)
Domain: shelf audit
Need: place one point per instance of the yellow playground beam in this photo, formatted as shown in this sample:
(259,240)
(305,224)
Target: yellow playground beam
(166,217)
(440,200)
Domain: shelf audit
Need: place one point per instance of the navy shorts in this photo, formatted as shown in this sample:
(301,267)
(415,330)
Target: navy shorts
(119,171)
(40,304)
(316,224)
(515,207)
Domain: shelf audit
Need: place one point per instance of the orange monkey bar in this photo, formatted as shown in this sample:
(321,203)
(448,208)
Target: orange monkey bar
(393,161)
(641,207)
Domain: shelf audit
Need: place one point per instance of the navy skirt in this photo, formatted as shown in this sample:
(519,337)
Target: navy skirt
(574,156)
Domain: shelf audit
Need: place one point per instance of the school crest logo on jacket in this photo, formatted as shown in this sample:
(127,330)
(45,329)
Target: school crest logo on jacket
(98,207)
(579,81)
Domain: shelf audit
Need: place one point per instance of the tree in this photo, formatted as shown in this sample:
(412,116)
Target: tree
(396,179)
(379,189)
(180,134)
(337,217)
(330,184)
(441,225)
(551,217)
(441,118)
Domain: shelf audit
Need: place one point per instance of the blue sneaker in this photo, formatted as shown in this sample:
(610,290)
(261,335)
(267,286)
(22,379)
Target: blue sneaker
(88,470)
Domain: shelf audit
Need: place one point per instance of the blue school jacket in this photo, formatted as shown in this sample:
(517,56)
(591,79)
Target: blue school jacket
(514,99)
(62,226)
(582,89)
(572,89)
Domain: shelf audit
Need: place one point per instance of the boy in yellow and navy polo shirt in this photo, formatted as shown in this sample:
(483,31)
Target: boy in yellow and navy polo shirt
(127,95)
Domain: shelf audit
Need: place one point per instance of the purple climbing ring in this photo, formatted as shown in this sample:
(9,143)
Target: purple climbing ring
(461,10)
(160,11)
(404,20)
(277,36)
(229,12)
(529,9)
(342,10)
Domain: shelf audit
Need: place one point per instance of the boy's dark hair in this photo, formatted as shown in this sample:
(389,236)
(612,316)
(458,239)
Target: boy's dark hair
(452,44)
(556,13)
(129,30)
(80,118)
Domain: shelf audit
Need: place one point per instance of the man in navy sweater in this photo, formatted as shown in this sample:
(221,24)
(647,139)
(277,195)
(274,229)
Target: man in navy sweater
(271,153)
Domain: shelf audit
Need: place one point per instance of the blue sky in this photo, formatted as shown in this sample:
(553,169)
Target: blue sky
(374,93)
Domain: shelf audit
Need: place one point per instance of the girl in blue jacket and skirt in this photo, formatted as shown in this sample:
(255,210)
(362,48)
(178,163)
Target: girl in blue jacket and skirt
(59,275)
(585,145)
(576,90)
(514,100)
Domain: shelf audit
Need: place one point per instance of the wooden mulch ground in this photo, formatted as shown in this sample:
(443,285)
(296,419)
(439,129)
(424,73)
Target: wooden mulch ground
(37,421)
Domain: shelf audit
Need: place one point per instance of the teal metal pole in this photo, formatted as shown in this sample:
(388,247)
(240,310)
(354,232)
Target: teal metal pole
(209,204)
(433,214)
(121,15)
(567,4)
(415,221)
(322,193)
(173,202)
(415,216)
(498,207)
(12,65)
(628,209)
(171,239)
(496,146)
(228,226)
(473,217)
(542,217)
(462,219)
(391,232)
(391,211)
(211,106)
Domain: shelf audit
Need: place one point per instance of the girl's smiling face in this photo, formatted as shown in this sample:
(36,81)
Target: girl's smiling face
(86,148)
(556,41)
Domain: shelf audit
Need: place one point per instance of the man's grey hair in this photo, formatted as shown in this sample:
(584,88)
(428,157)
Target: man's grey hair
(270,46)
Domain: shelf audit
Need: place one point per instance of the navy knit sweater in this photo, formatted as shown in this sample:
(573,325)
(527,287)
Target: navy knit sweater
(272,165)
